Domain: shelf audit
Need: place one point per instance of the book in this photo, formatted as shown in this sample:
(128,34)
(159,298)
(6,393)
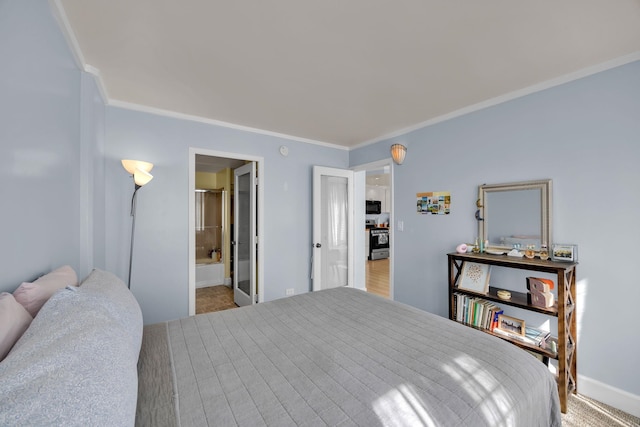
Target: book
(535,338)
(536,335)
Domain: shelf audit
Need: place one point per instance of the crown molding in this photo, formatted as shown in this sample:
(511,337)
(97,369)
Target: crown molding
(67,31)
(63,22)
(567,78)
(182,116)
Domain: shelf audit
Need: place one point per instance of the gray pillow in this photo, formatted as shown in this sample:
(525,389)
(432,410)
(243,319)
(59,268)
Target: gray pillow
(77,362)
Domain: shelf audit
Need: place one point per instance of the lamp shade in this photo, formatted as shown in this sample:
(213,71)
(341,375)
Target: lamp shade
(141,177)
(132,165)
(398,152)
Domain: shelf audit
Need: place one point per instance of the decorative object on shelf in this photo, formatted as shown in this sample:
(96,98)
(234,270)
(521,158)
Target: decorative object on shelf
(537,284)
(564,252)
(398,153)
(530,252)
(434,202)
(475,277)
(502,294)
(139,171)
(494,252)
(511,325)
(540,292)
(544,252)
(461,248)
(514,252)
(541,299)
(476,247)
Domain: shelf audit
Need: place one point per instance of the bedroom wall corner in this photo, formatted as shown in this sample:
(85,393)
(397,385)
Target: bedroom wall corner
(92,176)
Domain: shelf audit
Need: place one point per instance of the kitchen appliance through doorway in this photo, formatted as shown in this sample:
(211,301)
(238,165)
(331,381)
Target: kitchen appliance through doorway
(378,243)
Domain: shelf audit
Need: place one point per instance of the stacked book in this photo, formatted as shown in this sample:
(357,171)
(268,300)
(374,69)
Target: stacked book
(476,311)
(533,336)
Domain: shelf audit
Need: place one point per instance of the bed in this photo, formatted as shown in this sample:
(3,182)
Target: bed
(336,357)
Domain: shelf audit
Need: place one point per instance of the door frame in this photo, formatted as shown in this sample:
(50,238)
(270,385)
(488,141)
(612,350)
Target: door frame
(374,166)
(193,151)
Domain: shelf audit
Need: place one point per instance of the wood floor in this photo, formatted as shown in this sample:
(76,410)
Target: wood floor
(378,277)
(218,298)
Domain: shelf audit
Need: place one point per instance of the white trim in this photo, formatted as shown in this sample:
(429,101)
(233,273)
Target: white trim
(192,238)
(548,84)
(97,77)
(60,15)
(182,116)
(72,41)
(620,399)
(392,229)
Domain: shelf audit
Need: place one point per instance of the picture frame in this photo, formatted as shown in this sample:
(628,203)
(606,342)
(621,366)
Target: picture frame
(475,277)
(511,325)
(564,252)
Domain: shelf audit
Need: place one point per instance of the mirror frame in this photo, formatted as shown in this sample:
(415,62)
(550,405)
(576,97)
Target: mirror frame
(545,207)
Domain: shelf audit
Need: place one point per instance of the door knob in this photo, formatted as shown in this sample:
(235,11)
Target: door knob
(317,245)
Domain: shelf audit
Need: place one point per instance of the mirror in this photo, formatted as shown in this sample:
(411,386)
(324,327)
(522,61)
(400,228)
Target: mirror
(515,214)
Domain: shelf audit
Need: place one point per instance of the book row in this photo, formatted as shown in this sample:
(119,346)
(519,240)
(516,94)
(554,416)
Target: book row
(476,311)
(483,314)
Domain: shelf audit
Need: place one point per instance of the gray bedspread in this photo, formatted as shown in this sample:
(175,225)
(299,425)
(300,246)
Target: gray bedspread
(337,357)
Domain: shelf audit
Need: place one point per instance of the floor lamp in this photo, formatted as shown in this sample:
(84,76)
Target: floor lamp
(140,172)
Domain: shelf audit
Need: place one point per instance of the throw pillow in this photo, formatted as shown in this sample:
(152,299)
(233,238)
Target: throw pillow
(33,295)
(14,320)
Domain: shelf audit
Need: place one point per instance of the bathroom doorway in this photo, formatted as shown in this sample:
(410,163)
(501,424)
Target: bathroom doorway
(211,225)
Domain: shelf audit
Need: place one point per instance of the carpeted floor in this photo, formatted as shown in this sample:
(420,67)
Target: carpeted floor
(586,412)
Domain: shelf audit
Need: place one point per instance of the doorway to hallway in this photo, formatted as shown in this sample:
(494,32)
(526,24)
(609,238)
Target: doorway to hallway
(379,189)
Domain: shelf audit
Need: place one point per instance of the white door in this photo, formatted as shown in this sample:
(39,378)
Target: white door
(244,228)
(333,226)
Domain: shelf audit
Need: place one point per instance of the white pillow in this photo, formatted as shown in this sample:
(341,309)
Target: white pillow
(32,296)
(14,320)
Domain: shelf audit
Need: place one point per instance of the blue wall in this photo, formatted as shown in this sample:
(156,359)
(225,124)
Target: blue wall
(585,136)
(39,145)
(159,274)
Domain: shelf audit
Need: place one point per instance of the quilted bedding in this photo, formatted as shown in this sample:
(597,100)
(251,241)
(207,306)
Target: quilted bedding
(337,357)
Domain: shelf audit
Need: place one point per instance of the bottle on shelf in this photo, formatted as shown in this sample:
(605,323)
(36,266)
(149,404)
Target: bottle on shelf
(544,252)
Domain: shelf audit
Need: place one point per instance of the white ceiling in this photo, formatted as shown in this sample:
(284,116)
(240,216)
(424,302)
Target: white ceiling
(342,72)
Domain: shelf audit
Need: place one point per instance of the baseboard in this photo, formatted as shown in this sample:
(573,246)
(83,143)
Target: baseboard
(620,399)
(206,284)
(227,281)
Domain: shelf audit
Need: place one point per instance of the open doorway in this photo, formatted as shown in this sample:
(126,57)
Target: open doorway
(377,222)
(212,227)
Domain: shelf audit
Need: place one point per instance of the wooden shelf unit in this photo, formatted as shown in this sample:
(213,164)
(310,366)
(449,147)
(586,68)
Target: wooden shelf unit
(563,310)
